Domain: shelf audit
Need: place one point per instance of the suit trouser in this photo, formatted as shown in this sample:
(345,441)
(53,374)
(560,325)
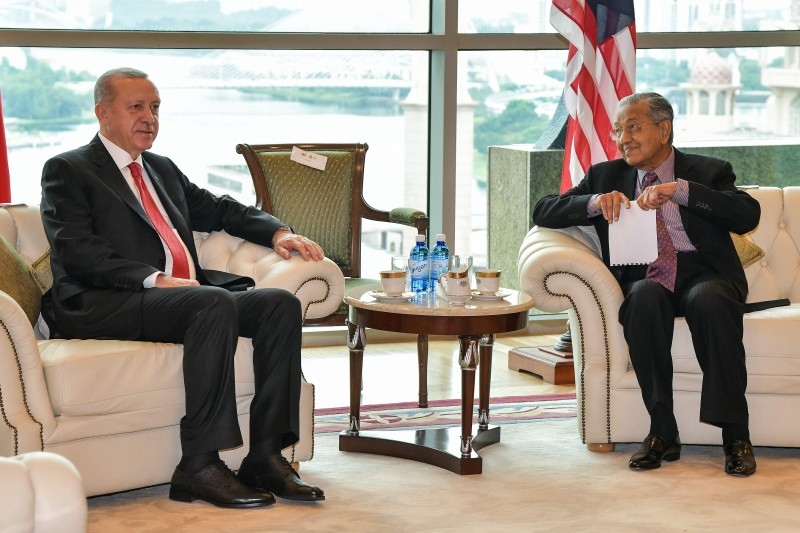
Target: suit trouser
(714,313)
(208,321)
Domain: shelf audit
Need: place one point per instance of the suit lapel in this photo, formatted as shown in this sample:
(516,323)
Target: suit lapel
(681,165)
(112,176)
(628,186)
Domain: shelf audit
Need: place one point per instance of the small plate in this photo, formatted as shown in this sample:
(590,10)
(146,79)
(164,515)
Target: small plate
(383,297)
(499,295)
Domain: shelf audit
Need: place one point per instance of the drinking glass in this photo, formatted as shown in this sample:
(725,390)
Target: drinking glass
(401,263)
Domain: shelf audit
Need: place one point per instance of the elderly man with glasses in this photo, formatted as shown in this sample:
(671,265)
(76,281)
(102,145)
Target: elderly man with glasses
(697,274)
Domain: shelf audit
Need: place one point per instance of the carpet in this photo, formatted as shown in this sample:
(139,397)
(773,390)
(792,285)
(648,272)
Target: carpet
(539,477)
(446,413)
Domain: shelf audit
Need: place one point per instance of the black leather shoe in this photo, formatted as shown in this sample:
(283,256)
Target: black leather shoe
(218,485)
(277,476)
(739,458)
(654,450)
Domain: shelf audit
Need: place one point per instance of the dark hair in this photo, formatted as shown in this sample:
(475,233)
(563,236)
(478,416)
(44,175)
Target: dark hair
(658,108)
(102,87)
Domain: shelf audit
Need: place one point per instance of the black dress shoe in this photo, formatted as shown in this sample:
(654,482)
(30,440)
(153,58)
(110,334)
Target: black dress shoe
(655,449)
(739,458)
(277,476)
(218,485)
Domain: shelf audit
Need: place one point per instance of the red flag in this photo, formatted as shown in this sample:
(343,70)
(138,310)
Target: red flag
(5,175)
(601,70)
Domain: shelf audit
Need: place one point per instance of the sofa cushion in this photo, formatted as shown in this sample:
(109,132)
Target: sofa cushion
(17,280)
(94,377)
(748,251)
(770,339)
(42,273)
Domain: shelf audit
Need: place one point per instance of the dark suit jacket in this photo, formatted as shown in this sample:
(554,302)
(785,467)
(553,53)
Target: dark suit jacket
(103,245)
(715,208)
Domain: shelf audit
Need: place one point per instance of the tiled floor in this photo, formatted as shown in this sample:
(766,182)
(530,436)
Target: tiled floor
(390,371)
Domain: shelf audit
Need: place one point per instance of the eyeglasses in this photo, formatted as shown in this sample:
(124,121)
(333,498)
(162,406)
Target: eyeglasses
(631,130)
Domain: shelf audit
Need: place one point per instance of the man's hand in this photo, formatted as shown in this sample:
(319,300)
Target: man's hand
(285,241)
(655,196)
(163,281)
(610,204)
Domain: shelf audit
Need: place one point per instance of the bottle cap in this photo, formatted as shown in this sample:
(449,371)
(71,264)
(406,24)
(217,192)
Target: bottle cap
(420,238)
(440,237)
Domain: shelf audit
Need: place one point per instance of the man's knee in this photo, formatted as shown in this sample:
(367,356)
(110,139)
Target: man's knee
(641,296)
(709,297)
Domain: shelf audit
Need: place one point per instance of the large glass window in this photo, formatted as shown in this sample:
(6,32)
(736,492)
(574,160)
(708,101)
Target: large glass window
(358,71)
(212,100)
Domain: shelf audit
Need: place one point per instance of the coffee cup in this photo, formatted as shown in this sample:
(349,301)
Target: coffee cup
(393,282)
(487,280)
(455,282)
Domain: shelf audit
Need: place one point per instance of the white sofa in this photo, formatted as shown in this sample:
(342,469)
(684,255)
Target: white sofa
(561,273)
(41,492)
(113,407)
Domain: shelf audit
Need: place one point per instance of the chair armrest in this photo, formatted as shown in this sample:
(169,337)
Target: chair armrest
(42,492)
(318,284)
(28,417)
(561,273)
(408,216)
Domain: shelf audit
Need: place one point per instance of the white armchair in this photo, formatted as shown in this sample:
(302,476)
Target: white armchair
(122,432)
(562,273)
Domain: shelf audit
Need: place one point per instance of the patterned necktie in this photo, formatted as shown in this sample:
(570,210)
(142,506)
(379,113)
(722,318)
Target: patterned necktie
(180,263)
(665,267)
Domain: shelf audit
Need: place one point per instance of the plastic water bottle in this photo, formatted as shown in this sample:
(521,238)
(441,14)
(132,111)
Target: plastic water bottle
(440,257)
(419,265)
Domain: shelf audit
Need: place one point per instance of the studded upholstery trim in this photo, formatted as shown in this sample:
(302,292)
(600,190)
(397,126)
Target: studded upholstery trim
(24,398)
(582,381)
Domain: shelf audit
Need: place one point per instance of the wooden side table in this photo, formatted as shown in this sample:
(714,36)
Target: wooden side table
(475,323)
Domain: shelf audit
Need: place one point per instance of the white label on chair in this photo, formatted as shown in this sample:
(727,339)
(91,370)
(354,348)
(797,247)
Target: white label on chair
(308,158)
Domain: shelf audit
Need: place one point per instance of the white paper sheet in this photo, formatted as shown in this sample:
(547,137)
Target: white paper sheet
(632,240)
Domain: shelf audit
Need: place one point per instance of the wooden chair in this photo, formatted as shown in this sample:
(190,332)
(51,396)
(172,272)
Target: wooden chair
(326,206)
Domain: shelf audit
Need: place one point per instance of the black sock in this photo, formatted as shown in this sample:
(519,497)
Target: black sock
(731,432)
(192,464)
(263,449)
(662,423)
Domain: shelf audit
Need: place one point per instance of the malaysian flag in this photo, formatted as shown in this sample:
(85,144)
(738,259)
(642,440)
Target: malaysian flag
(601,69)
(5,176)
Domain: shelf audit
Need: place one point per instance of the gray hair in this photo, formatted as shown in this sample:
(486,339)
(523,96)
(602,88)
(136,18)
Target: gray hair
(658,108)
(102,87)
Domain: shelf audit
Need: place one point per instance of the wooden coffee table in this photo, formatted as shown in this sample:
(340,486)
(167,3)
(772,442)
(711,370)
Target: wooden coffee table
(475,324)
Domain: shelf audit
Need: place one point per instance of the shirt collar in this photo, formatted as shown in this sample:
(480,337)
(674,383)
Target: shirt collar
(120,156)
(665,171)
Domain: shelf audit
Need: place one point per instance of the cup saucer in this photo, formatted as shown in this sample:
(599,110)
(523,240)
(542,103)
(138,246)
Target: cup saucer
(497,295)
(399,297)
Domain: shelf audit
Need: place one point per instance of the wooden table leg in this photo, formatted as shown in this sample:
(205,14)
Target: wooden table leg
(422,358)
(356,342)
(452,448)
(468,359)
(485,380)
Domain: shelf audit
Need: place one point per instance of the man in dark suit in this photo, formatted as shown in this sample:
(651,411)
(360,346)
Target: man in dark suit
(696,198)
(112,211)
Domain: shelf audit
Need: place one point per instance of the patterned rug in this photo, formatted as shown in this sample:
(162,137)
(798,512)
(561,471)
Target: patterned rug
(445,413)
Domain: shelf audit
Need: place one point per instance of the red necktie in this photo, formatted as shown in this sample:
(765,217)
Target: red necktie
(180,264)
(665,267)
